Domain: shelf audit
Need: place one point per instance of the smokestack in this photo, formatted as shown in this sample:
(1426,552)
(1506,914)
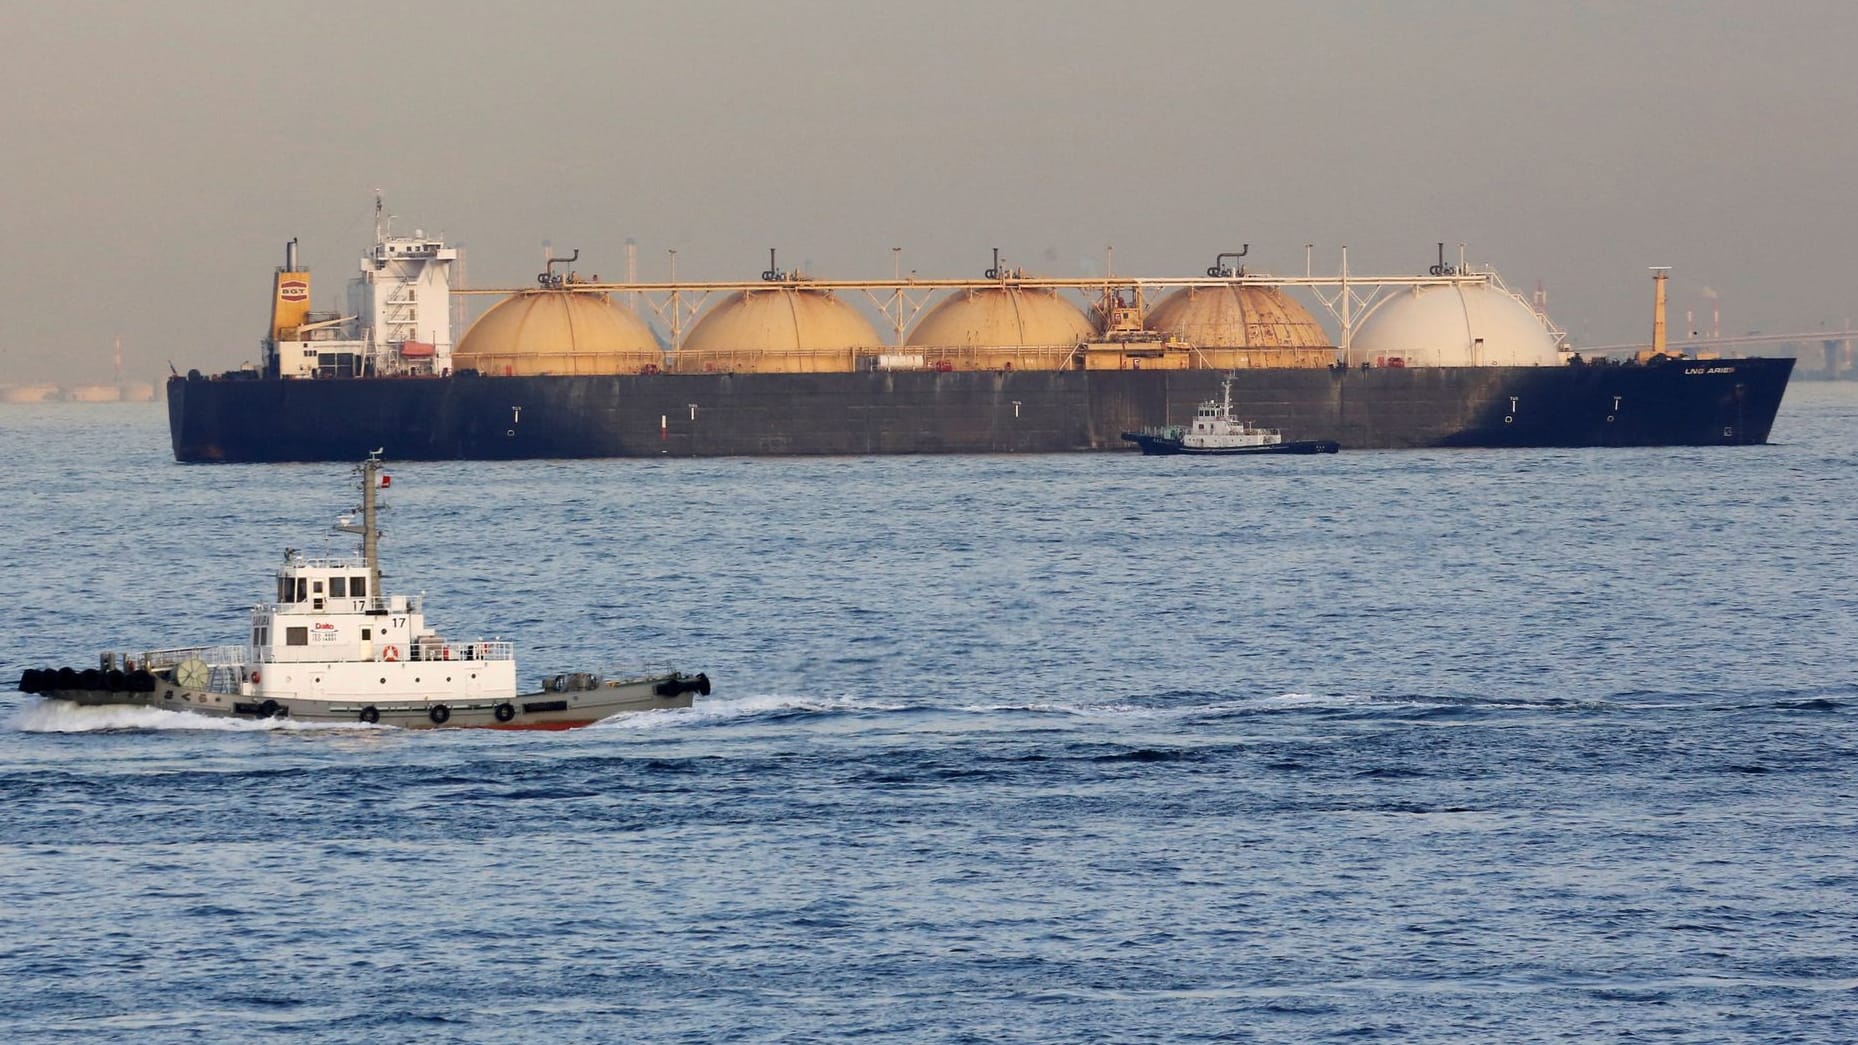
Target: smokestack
(1660,273)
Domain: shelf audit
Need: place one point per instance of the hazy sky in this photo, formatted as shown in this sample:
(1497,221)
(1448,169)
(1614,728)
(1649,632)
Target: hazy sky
(158,155)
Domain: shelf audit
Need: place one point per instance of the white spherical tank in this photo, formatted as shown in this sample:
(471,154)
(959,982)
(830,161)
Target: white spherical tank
(1471,324)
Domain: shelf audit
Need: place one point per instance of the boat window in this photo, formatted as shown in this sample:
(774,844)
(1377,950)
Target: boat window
(283,589)
(297,636)
(303,593)
(366,634)
(338,587)
(358,587)
(317,587)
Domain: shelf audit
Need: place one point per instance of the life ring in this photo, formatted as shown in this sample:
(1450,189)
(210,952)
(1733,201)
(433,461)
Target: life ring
(505,711)
(370,714)
(390,653)
(254,678)
(439,714)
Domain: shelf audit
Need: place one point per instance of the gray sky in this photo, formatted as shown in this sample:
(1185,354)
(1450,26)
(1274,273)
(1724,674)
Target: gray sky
(157,156)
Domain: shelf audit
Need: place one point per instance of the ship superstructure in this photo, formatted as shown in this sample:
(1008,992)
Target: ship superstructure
(397,319)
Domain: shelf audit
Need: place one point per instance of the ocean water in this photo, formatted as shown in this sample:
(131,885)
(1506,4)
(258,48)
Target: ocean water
(1399,746)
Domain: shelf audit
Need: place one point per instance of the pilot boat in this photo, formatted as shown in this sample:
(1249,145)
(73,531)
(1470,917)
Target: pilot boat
(334,647)
(1215,431)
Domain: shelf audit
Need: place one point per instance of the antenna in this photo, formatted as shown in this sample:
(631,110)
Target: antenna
(380,221)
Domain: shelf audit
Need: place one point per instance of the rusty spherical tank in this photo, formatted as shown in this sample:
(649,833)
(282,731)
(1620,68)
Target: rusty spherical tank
(1472,324)
(1237,326)
(780,330)
(997,328)
(558,332)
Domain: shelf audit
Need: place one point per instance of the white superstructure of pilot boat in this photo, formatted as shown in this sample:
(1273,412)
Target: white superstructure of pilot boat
(334,647)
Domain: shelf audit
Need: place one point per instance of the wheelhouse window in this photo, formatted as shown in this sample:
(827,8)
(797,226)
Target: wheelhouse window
(358,587)
(338,587)
(297,636)
(303,589)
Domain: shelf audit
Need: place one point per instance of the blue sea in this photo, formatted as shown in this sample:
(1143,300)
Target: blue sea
(1555,745)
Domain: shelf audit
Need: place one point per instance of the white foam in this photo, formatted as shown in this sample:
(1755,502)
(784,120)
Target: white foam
(713,711)
(62,716)
(710,711)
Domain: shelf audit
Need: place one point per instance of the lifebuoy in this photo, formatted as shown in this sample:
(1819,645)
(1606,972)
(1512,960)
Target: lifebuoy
(390,653)
(439,714)
(370,714)
(505,712)
(254,678)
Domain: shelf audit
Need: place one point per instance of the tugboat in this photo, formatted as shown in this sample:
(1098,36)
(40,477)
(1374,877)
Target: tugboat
(1215,431)
(334,647)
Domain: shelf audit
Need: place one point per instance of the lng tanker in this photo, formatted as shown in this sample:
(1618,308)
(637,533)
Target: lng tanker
(1007,363)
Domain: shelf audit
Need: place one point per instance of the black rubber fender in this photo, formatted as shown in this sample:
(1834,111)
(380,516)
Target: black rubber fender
(268,709)
(370,714)
(29,680)
(505,711)
(66,679)
(115,681)
(703,684)
(142,682)
(90,678)
(440,714)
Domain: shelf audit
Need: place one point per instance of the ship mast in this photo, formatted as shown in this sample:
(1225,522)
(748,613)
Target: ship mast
(370,470)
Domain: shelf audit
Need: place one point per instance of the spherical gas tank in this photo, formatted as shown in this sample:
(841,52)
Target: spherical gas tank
(778,330)
(1471,324)
(1232,326)
(1005,327)
(558,332)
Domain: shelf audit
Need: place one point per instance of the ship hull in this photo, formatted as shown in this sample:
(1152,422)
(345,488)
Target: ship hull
(545,710)
(468,417)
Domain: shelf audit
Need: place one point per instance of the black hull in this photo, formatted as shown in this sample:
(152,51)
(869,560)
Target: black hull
(1162,446)
(1672,403)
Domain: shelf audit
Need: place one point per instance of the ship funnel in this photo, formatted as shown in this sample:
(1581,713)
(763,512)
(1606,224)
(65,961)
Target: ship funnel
(1660,273)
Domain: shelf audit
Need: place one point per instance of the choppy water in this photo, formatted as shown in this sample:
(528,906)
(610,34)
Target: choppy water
(1406,746)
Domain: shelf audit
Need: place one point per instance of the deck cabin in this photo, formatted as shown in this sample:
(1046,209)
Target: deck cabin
(331,633)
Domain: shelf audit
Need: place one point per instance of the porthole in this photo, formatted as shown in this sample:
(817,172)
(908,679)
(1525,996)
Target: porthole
(383,682)
(1509,418)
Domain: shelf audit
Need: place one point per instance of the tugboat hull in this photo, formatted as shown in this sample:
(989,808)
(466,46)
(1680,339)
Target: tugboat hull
(553,709)
(1160,446)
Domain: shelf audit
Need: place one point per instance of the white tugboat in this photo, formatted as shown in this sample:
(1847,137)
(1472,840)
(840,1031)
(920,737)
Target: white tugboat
(1216,431)
(334,647)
